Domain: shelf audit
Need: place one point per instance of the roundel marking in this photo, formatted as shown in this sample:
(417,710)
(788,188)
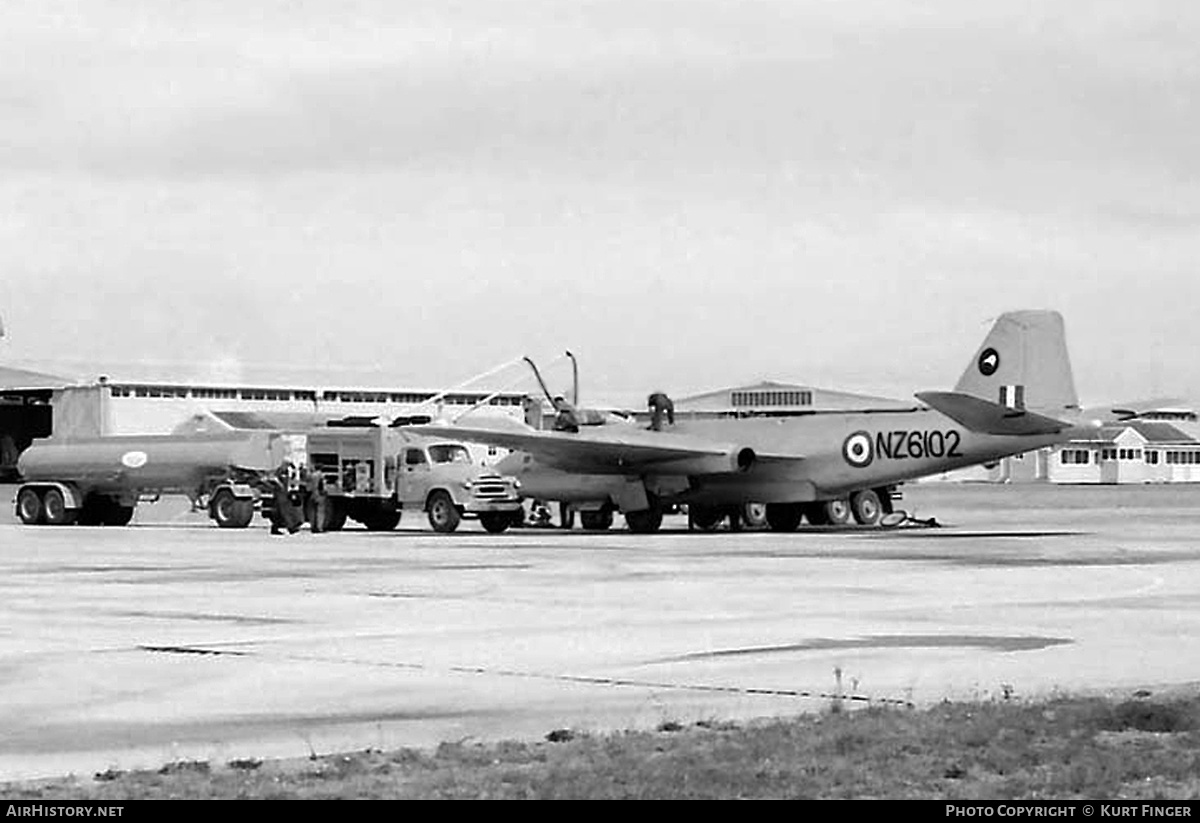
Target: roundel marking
(989,361)
(134,459)
(858,450)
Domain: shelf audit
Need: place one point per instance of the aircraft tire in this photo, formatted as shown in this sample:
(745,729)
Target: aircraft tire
(784,517)
(566,515)
(866,508)
(600,520)
(443,514)
(646,521)
(29,508)
(704,518)
(837,511)
(495,522)
(754,515)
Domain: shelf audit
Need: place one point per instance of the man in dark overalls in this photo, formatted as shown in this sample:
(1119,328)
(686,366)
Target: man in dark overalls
(283,513)
(660,405)
(314,499)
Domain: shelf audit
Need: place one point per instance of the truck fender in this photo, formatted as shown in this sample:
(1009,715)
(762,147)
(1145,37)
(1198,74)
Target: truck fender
(242,491)
(71,495)
(456,498)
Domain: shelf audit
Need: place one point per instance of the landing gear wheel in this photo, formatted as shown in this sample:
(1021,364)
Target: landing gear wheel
(837,512)
(566,515)
(704,518)
(754,515)
(784,517)
(443,514)
(597,521)
(646,521)
(29,508)
(495,522)
(54,508)
(866,508)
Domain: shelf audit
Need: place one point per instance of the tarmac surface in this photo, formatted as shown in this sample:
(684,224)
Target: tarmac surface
(174,640)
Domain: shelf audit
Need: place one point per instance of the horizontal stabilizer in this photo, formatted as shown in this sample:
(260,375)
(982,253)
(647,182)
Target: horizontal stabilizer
(985,417)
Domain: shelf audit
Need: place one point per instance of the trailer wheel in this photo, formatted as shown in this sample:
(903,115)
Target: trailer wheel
(54,509)
(495,522)
(227,510)
(29,507)
(443,514)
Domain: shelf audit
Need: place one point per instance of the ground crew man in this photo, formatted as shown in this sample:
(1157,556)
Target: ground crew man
(283,513)
(315,499)
(660,405)
(566,420)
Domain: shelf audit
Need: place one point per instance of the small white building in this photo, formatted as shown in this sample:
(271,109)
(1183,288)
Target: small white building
(1135,451)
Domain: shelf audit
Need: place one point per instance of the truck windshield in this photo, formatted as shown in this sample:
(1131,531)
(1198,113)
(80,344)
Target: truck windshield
(449,454)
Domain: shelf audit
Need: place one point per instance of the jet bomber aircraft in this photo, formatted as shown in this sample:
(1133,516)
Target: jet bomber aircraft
(1016,394)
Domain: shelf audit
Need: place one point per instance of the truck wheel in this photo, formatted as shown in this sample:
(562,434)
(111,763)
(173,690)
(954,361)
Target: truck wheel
(117,515)
(443,514)
(54,508)
(29,507)
(229,511)
(335,517)
(597,521)
(495,522)
(382,521)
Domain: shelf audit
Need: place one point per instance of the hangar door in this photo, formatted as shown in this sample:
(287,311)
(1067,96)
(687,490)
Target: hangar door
(24,415)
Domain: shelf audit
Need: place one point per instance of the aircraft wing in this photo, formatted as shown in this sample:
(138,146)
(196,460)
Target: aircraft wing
(624,451)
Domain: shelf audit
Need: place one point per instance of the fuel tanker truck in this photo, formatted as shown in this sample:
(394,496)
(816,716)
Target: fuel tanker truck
(98,481)
(371,474)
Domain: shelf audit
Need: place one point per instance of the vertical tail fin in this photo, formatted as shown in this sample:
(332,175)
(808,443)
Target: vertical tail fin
(1023,363)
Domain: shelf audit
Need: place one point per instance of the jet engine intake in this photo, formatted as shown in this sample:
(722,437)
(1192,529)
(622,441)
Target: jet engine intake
(745,458)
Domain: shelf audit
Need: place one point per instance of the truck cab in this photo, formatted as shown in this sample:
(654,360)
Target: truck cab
(441,478)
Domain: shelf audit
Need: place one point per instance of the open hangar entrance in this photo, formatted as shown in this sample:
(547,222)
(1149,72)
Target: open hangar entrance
(25,413)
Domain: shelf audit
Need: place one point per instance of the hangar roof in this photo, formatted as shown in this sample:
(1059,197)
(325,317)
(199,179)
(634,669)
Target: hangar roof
(770,394)
(22,379)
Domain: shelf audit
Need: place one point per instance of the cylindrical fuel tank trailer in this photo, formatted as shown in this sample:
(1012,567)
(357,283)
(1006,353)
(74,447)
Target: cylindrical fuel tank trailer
(98,481)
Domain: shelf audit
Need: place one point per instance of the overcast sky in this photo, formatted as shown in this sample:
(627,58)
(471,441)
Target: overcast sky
(687,193)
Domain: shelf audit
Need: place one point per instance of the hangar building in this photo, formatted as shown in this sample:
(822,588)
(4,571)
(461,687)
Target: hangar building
(38,405)
(768,398)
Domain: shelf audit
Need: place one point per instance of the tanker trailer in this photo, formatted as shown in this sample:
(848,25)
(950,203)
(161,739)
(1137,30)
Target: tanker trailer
(99,481)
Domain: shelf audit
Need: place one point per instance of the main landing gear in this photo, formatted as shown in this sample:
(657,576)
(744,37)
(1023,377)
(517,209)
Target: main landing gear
(865,508)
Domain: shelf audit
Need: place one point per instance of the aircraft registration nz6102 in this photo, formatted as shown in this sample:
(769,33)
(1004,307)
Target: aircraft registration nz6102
(1017,394)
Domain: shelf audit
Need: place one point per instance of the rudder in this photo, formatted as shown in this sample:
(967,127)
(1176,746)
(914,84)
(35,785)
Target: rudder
(1023,364)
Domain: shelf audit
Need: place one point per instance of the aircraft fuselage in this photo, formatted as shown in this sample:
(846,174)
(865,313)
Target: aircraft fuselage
(841,453)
